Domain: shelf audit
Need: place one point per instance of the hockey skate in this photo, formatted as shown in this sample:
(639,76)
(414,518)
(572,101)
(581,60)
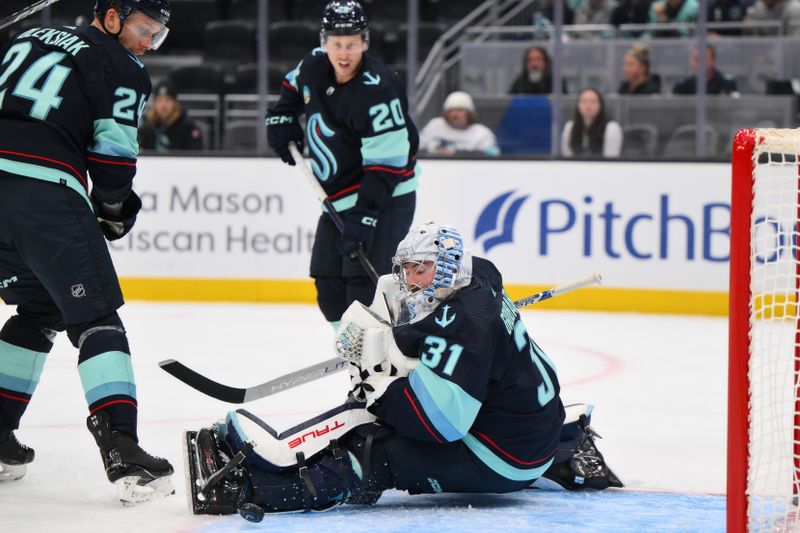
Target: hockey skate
(139,476)
(14,456)
(214,484)
(585,469)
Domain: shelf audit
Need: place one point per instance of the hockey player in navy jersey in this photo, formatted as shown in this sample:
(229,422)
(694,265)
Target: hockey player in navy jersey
(363,146)
(455,396)
(70,102)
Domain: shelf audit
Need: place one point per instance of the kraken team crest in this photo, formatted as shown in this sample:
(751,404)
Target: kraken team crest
(323,162)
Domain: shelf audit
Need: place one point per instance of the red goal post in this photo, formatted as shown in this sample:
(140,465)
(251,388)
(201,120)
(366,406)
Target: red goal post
(764,333)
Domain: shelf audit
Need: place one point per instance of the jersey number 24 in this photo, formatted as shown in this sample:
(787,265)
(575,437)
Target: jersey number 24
(47,96)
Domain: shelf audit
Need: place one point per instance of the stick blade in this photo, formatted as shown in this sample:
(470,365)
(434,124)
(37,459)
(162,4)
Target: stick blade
(201,383)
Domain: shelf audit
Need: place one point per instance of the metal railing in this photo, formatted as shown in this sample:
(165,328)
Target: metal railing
(621,31)
(445,55)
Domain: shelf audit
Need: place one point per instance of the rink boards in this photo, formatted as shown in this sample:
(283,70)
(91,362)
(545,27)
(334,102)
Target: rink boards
(241,229)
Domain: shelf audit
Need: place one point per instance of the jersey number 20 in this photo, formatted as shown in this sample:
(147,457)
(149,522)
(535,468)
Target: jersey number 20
(387,116)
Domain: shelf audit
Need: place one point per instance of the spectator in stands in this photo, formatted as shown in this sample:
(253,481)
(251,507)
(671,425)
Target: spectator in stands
(594,12)
(166,126)
(716,81)
(536,76)
(785,11)
(591,133)
(673,11)
(726,11)
(544,15)
(631,12)
(457,130)
(636,71)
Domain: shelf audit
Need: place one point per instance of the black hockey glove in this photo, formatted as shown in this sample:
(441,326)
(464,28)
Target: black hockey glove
(281,130)
(116,220)
(359,230)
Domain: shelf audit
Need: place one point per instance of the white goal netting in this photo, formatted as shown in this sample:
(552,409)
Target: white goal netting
(772,481)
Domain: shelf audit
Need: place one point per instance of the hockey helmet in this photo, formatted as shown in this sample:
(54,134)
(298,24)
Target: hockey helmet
(158,10)
(441,245)
(343,17)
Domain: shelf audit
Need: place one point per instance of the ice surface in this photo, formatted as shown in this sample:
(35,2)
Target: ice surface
(658,384)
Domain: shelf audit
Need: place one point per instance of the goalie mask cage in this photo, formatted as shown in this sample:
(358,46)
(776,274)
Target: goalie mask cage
(764,333)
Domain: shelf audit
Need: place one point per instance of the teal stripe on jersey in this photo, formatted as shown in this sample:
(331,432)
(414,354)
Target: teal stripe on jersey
(389,149)
(451,410)
(39,172)
(501,467)
(405,187)
(105,369)
(346,202)
(114,139)
(291,77)
(105,390)
(20,366)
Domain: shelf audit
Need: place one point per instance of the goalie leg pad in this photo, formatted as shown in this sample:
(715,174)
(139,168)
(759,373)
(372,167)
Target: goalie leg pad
(329,481)
(274,451)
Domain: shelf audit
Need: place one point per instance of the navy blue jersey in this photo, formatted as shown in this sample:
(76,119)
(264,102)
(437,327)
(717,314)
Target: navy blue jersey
(361,139)
(481,379)
(70,102)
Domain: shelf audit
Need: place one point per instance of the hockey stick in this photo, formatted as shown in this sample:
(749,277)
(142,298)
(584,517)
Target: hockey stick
(243,395)
(323,198)
(25,12)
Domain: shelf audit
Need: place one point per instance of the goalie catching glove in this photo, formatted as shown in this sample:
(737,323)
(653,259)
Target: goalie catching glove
(366,341)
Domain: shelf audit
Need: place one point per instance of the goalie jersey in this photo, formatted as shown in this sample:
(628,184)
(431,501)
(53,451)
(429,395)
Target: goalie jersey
(481,380)
(359,134)
(70,102)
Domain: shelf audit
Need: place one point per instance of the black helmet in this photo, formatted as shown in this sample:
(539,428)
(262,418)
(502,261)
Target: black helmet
(155,9)
(344,17)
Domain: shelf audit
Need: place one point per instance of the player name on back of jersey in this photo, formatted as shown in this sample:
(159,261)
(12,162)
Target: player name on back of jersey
(71,43)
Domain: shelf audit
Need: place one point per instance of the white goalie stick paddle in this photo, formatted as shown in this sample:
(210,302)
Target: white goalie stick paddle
(25,12)
(311,373)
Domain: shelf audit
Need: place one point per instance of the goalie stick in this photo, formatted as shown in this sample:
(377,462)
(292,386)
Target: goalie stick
(25,12)
(323,198)
(311,373)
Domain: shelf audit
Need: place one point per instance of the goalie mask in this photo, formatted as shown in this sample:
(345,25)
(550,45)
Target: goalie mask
(158,10)
(430,266)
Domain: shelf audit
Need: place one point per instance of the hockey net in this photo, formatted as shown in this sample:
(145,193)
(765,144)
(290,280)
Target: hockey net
(764,334)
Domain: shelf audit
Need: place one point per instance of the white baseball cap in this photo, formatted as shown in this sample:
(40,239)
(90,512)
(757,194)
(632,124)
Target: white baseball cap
(459,100)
